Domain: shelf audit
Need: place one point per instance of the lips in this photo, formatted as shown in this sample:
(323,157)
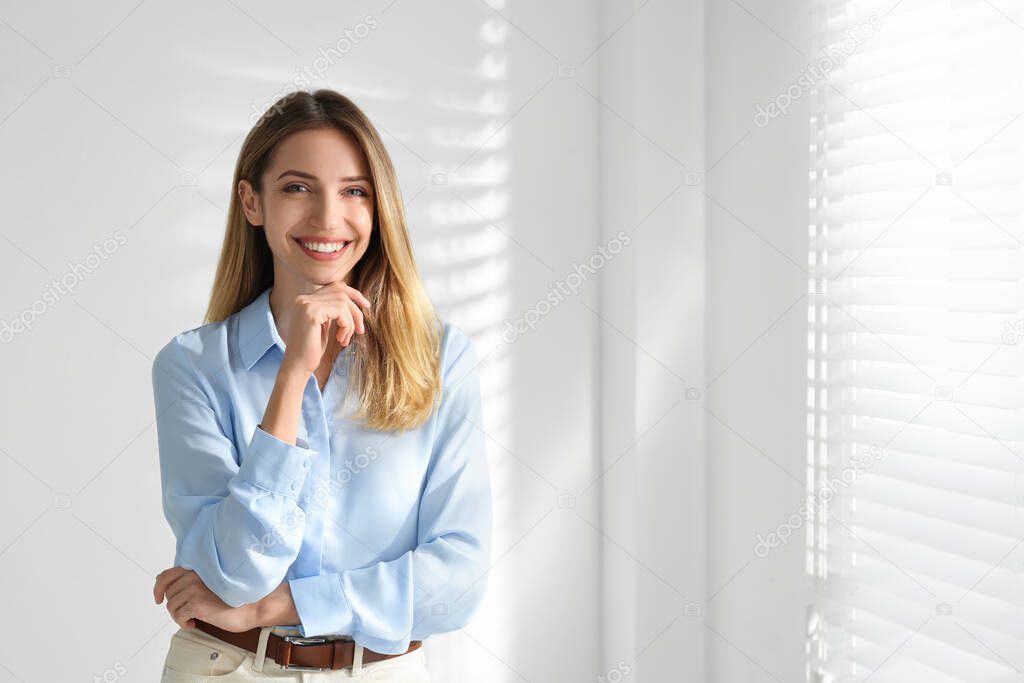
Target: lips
(320,255)
(320,242)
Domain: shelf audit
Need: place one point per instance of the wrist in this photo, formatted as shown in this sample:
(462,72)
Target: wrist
(290,372)
(277,608)
(254,614)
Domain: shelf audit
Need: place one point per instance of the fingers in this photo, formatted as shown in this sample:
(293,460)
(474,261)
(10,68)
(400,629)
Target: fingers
(183,614)
(174,583)
(346,324)
(355,320)
(336,304)
(350,321)
(176,602)
(332,290)
(186,605)
(358,296)
(165,579)
(183,581)
(357,316)
(181,608)
(325,312)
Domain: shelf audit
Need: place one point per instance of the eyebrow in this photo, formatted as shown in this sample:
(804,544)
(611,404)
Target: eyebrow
(310,176)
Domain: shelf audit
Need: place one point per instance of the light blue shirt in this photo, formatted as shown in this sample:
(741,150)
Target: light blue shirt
(382,536)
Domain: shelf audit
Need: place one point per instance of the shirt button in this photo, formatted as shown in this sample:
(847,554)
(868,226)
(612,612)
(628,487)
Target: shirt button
(295,486)
(305,463)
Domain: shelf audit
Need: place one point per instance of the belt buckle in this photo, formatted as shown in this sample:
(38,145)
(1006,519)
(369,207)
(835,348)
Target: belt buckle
(303,640)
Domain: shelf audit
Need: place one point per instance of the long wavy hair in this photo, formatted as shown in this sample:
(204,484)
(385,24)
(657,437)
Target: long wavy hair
(396,371)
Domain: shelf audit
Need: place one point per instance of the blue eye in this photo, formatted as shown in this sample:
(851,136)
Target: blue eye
(286,187)
(359,189)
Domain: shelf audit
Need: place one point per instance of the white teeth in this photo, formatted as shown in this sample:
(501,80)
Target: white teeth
(325,247)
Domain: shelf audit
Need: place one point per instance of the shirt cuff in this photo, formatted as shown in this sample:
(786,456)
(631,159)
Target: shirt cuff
(276,465)
(321,605)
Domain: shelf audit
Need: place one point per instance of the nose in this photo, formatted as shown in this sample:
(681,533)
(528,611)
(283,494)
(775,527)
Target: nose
(329,213)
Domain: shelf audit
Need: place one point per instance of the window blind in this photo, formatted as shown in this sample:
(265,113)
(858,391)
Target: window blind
(915,338)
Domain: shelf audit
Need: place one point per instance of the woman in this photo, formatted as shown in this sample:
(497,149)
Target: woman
(321,447)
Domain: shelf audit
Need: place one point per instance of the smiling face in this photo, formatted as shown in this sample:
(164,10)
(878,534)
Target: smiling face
(316,207)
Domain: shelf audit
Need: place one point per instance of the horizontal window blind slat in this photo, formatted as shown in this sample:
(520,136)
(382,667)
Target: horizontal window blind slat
(975,528)
(918,571)
(881,625)
(916,341)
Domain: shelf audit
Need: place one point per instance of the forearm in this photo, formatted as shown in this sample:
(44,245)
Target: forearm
(281,417)
(277,609)
(243,544)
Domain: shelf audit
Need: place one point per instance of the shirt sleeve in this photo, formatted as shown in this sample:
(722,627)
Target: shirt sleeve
(437,586)
(238,527)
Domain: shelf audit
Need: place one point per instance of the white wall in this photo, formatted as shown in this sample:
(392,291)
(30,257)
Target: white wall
(652,343)
(110,108)
(631,432)
(756,336)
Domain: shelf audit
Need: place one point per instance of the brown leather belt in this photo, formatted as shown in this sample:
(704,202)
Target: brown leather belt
(298,652)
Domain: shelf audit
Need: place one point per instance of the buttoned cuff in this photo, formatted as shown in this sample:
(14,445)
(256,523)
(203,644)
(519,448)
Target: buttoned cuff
(321,605)
(276,465)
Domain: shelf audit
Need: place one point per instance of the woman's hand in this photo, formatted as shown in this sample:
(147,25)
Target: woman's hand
(310,324)
(189,599)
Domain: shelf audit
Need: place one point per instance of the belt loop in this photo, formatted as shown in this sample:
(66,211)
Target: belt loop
(261,649)
(357,659)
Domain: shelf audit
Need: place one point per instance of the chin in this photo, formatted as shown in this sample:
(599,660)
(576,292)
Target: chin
(326,277)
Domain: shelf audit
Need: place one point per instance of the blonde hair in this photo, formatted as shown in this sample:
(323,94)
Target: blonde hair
(396,371)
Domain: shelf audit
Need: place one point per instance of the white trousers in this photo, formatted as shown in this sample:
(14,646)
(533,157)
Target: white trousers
(195,656)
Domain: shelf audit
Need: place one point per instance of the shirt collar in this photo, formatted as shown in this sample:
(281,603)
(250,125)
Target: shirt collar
(257,332)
